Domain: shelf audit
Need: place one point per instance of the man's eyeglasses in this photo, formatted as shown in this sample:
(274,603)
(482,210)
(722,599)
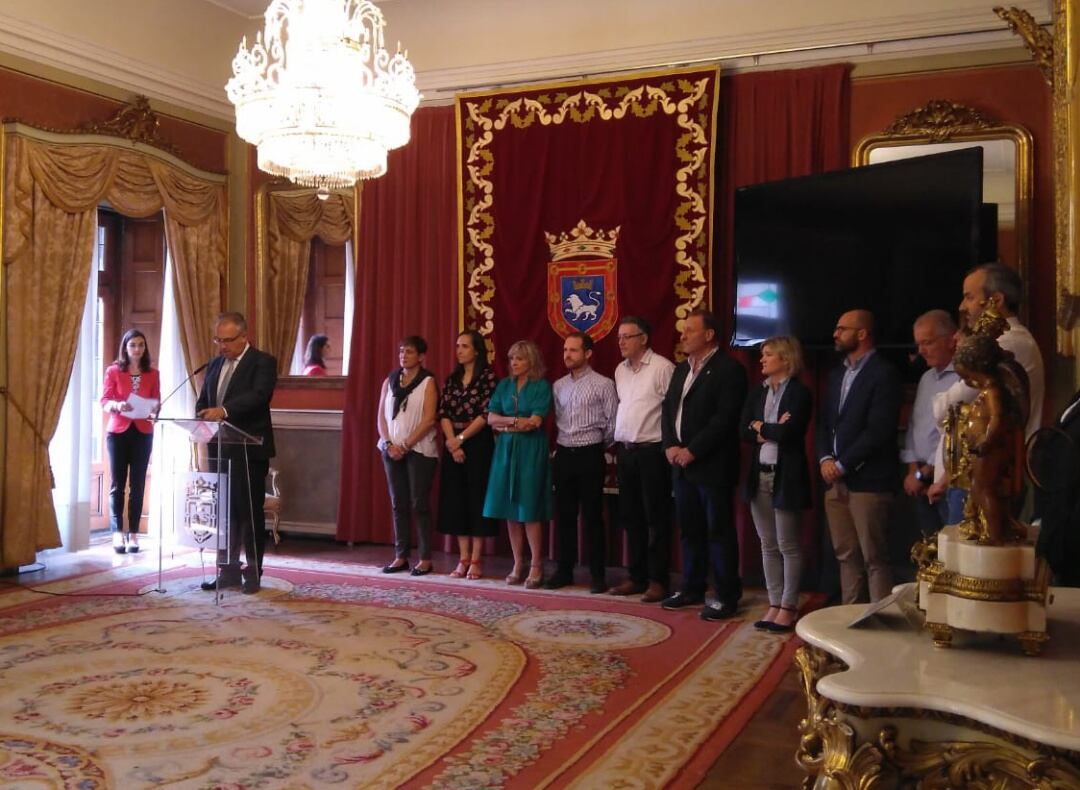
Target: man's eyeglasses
(220,341)
(630,337)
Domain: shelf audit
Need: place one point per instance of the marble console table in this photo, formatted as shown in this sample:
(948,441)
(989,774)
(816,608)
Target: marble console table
(885,708)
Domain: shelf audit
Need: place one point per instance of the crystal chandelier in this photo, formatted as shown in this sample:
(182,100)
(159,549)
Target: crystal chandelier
(319,95)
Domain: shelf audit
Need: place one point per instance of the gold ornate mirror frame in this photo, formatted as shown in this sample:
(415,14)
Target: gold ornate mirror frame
(943,121)
(263,318)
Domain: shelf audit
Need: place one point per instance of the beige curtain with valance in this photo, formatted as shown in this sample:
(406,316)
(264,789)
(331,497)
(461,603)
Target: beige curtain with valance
(51,194)
(294,219)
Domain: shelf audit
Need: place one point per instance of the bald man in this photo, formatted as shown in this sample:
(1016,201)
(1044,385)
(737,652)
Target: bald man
(856,448)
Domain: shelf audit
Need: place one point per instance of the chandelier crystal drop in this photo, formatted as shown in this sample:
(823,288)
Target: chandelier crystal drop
(319,95)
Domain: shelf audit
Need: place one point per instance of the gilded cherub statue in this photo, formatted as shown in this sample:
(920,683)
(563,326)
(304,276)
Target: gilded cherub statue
(985,438)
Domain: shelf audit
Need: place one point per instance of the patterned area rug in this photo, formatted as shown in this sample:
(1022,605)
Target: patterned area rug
(333,677)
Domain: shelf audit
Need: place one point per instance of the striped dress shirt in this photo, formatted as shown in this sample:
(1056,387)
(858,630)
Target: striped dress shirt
(585,409)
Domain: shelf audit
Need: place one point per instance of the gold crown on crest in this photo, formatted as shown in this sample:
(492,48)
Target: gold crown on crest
(582,240)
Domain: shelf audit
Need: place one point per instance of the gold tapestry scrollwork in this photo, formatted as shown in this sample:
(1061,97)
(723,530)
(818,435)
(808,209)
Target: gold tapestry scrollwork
(688,101)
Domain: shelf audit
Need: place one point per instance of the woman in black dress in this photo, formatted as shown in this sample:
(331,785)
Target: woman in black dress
(467,454)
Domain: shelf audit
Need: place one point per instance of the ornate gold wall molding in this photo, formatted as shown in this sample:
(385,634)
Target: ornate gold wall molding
(1037,39)
(1066,130)
(135,121)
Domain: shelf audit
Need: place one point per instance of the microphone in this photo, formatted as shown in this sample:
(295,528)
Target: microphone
(194,373)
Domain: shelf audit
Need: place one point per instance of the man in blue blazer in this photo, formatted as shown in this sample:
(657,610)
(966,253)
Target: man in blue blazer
(699,425)
(238,387)
(857,451)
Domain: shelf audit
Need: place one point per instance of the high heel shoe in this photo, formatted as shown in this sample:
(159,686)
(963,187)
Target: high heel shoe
(476,571)
(517,575)
(536,577)
(118,543)
(462,569)
(132,540)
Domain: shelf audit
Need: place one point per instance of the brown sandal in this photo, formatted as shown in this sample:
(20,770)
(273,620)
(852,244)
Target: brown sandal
(476,570)
(461,570)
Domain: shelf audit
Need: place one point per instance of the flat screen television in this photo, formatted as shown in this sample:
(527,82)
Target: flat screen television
(895,238)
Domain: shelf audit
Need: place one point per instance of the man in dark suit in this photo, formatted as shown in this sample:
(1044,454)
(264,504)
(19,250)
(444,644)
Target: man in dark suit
(701,441)
(238,386)
(856,448)
(1059,507)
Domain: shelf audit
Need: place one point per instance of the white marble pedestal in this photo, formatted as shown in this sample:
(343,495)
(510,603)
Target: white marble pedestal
(995,589)
(887,709)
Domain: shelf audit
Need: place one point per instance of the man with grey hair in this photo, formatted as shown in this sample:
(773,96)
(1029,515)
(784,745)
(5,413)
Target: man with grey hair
(238,387)
(935,337)
(997,284)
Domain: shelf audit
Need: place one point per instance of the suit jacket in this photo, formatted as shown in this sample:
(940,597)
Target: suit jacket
(791,488)
(1059,536)
(865,431)
(710,414)
(247,399)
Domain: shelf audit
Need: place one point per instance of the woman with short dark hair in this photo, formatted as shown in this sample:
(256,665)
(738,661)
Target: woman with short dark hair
(128,441)
(406,426)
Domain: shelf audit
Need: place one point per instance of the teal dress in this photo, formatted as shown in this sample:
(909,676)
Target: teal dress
(519,486)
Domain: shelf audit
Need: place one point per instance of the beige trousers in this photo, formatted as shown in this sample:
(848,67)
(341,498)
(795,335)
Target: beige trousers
(857,522)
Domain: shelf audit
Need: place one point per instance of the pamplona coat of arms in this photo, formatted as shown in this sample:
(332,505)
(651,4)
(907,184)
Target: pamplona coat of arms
(582,294)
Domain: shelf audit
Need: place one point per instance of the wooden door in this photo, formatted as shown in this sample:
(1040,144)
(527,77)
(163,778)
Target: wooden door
(131,279)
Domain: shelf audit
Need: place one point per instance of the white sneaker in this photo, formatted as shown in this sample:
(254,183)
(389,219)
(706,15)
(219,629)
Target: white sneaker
(118,542)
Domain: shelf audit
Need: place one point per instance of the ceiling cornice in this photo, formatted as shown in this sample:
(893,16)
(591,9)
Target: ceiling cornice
(83,57)
(950,30)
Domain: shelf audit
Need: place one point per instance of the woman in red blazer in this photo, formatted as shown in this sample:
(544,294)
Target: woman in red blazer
(128,440)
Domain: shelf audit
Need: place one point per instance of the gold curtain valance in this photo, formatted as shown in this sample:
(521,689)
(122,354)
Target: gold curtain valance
(76,178)
(302,216)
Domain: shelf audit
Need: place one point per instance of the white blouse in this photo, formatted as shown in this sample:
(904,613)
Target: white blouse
(409,417)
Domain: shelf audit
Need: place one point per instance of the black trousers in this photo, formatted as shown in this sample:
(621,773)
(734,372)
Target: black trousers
(578,474)
(129,450)
(645,511)
(247,519)
(707,523)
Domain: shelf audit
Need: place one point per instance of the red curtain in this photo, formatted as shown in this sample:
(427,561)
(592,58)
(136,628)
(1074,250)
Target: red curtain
(406,278)
(775,125)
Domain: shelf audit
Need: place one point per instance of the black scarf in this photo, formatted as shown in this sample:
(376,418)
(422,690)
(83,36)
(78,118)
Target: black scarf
(401,394)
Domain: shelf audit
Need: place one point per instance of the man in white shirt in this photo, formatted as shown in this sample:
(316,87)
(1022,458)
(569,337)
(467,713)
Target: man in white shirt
(997,284)
(935,337)
(585,405)
(644,475)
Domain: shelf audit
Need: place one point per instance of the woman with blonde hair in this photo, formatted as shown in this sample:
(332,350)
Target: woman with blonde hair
(519,486)
(775,419)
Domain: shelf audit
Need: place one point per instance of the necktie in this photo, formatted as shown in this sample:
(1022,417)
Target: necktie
(223,381)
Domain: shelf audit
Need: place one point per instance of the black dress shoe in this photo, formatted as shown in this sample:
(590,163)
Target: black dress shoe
(681,599)
(250,587)
(724,611)
(597,586)
(559,580)
(418,571)
(392,568)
